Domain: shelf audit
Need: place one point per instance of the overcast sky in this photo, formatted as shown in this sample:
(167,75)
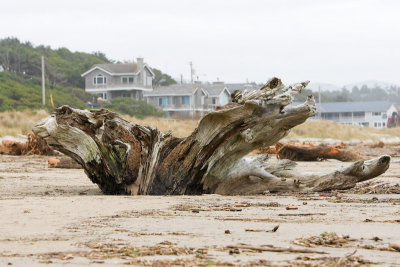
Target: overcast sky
(323,41)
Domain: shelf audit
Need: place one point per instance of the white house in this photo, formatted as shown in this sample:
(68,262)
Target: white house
(370,114)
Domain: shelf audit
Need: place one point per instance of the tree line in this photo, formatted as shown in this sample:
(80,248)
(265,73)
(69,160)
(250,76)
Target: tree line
(364,93)
(20,81)
(63,67)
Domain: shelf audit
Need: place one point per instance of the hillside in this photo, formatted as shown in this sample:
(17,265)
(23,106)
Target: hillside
(20,82)
(19,93)
(63,67)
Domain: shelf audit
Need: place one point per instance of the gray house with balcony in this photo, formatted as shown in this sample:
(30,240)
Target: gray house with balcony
(187,99)
(119,80)
(369,114)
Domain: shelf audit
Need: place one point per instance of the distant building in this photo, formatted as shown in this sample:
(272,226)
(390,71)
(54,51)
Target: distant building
(186,99)
(369,114)
(116,80)
(218,94)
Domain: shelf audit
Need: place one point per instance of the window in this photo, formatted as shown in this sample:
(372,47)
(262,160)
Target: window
(358,114)
(99,79)
(346,114)
(127,79)
(376,113)
(164,101)
(214,101)
(149,81)
(185,100)
(330,115)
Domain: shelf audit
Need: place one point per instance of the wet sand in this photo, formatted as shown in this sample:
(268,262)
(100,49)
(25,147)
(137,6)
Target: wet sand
(57,216)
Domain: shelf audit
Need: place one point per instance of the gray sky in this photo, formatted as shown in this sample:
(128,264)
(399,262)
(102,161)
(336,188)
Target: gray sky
(323,41)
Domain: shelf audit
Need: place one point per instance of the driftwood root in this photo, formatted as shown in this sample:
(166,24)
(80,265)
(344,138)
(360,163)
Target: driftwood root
(126,158)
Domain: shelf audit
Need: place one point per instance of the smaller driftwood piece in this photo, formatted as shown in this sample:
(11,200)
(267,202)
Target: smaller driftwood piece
(35,145)
(126,158)
(312,152)
(63,163)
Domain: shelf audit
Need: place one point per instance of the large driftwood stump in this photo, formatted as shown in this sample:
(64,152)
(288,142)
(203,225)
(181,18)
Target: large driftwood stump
(126,158)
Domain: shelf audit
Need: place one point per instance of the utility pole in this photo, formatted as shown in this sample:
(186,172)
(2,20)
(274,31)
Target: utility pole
(319,100)
(191,72)
(43,84)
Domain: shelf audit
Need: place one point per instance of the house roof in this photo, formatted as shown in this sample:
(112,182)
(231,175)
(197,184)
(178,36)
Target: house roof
(333,107)
(175,89)
(114,69)
(355,106)
(119,68)
(214,89)
(241,86)
(187,89)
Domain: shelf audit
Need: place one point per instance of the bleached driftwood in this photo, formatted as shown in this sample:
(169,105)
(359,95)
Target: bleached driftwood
(126,158)
(294,181)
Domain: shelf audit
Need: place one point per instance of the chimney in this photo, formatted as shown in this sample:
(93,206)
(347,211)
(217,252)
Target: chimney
(140,63)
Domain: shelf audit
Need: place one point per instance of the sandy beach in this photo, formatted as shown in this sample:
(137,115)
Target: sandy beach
(57,216)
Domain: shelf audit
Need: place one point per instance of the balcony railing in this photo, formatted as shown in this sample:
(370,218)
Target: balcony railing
(105,87)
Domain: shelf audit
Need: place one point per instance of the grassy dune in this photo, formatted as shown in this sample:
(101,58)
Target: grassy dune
(16,123)
(333,130)
(309,129)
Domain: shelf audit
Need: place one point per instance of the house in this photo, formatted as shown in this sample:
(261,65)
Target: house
(178,99)
(370,114)
(188,99)
(218,94)
(116,80)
